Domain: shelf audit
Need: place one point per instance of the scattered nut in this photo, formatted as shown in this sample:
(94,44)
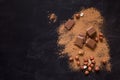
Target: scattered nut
(93,61)
(81,53)
(86,72)
(100,34)
(77,16)
(78,63)
(70,59)
(85,60)
(97,68)
(91,57)
(92,65)
(85,63)
(101,38)
(89,69)
(84,67)
(76,58)
(81,14)
(96,39)
(104,61)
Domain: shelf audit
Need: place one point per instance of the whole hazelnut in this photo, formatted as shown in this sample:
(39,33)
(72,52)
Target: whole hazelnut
(76,58)
(85,60)
(70,59)
(77,16)
(93,61)
(91,57)
(97,68)
(89,68)
(86,72)
(91,65)
(78,63)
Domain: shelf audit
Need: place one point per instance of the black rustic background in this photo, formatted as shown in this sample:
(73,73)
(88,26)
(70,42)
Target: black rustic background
(28,49)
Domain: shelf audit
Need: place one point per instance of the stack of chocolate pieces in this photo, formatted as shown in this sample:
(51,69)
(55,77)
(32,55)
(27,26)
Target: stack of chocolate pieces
(86,38)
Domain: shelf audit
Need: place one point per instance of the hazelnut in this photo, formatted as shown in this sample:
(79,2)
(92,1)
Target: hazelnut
(78,63)
(97,68)
(77,16)
(100,34)
(82,67)
(101,38)
(91,57)
(81,52)
(89,68)
(96,39)
(92,65)
(104,61)
(70,59)
(85,63)
(86,72)
(76,58)
(85,60)
(81,14)
(93,61)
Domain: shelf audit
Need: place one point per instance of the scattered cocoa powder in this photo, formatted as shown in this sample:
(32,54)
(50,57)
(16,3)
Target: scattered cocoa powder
(92,17)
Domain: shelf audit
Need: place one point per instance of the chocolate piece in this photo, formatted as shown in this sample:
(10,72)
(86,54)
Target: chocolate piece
(69,24)
(91,31)
(79,41)
(91,43)
(83,35)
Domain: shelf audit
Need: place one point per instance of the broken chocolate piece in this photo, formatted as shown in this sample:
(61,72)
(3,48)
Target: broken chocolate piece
(91,43)
(69,24)
(79,41)
(91,31)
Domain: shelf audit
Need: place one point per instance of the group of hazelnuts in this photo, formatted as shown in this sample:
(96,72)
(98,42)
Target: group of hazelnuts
(88,65)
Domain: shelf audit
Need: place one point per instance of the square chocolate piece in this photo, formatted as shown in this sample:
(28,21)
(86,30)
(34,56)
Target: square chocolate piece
(79,41)
(69,24)
(91,43)
(83,35)
(91,31)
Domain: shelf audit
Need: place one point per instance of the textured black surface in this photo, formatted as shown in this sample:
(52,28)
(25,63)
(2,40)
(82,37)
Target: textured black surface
(28,43)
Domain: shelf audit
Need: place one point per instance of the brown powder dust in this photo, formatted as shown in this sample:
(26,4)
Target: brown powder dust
(91,17)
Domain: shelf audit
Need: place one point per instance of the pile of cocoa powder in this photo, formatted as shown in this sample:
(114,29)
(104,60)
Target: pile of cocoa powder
(91,17)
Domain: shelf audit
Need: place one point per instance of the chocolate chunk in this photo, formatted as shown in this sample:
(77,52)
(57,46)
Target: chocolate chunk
(79,41)
(91,43)
(83,35)
(69,24)
(91,31)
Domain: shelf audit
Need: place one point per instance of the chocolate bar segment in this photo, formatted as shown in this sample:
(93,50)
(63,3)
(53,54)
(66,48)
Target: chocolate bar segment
(69,24)
(91,31)
(79,41)
(91,43)
(83,35)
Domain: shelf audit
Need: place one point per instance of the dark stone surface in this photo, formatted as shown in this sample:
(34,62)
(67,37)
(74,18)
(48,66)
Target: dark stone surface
(28,43)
